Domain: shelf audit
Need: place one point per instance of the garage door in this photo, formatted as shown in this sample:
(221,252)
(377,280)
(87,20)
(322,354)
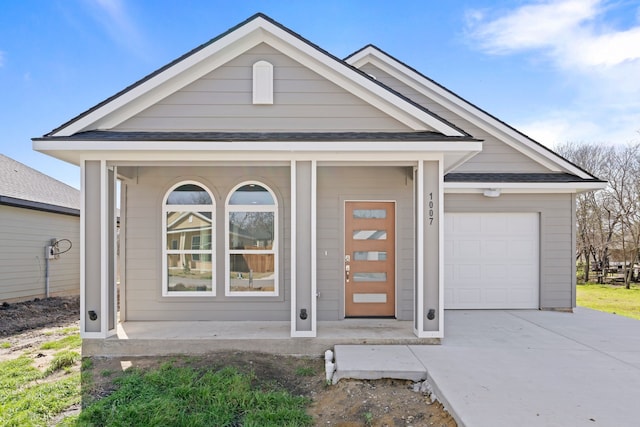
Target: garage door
(491,260)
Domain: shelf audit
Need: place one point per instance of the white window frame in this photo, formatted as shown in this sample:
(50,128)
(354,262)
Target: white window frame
(274,247)
(165,252)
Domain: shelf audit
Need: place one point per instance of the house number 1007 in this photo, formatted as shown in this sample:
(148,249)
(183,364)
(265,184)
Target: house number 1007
(431,205)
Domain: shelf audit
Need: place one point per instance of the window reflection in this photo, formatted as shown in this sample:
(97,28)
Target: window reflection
(252,241)
(251,230)
(252,272)
(187,274)
(251,194)
(188,222)
(189,194)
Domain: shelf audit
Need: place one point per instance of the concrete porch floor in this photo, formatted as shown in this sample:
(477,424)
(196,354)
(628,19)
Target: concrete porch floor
(169,338)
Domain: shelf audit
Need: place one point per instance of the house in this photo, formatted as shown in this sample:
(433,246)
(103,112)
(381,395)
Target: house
(40,228)
(262,179)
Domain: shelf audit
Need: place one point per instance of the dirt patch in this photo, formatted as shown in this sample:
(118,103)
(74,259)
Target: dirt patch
(346,404)
(38,313)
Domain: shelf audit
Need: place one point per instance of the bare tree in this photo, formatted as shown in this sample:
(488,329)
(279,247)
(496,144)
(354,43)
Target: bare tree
(608,220)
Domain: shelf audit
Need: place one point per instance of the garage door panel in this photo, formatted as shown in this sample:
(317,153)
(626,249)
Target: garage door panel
(491,260)
(492,249)
(467,249)
(492,225)
(524,249)
(469,296)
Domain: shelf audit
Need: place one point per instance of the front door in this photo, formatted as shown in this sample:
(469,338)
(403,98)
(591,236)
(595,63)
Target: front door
(369,260)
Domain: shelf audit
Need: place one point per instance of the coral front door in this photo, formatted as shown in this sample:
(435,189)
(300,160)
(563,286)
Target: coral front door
(369,260)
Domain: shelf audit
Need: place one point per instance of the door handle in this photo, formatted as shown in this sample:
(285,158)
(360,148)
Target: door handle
(347,270)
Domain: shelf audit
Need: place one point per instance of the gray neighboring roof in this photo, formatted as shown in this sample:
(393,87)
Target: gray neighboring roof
(515,177)
(258,136)
(25,187)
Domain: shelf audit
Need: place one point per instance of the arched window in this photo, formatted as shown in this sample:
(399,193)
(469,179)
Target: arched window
(252,241)
(188,241)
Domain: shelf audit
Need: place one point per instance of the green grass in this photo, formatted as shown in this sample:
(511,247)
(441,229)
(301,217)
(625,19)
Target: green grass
(170,395)
(185,396)
(5,344)
(305,371)
(62,360)
(71,341)
(610,298)
(29,397)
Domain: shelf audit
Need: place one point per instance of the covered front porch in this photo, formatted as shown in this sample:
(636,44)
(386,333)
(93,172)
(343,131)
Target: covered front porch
(311,183)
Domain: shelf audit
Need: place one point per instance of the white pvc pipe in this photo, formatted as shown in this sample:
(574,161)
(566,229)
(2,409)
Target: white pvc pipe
(329,368)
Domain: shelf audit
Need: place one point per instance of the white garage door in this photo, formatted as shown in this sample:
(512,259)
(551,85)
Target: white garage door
(491,260)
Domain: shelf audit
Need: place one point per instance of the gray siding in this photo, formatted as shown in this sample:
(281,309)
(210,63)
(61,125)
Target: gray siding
(557,223)
(25,233)
(496,156)
(339,184)
(143,266)
(222,101)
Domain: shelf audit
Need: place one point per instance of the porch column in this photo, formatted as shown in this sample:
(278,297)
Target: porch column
(303,249)
(98,262)
(429,297)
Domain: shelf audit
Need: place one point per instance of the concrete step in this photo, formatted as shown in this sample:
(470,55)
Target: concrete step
(371,362)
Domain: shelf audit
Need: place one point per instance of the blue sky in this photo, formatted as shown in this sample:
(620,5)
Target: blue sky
(558,70)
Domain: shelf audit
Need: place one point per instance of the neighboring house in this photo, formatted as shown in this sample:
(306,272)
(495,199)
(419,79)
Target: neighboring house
(264,179)
(36,211)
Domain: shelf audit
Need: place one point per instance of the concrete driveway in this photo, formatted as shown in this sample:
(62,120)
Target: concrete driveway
(537,368)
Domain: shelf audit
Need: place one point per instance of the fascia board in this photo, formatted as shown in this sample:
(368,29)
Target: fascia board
(465,110)
(523,187)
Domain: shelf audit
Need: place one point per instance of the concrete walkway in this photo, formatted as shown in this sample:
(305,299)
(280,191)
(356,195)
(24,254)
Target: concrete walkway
(527,368)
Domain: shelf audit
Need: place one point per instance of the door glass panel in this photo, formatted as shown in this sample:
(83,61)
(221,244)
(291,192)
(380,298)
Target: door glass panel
(251,272)
(189,273)
(370,235)
(370,256)
(370,277)
(369,213)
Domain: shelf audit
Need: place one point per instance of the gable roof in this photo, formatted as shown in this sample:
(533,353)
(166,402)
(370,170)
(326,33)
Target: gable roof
(214,53)
(22,186)
(465,109)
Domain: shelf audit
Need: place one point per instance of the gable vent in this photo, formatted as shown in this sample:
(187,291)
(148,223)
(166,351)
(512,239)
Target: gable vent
(262,83)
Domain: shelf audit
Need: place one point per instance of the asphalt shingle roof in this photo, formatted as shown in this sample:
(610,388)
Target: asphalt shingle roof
(18,181)
(514,177)
(259,136)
